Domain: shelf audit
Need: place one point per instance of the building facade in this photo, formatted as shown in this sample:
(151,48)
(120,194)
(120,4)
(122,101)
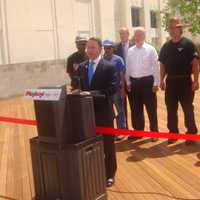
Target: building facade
(35,30)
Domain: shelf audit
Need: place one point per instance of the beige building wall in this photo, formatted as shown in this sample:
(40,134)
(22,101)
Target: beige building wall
(33,30)
(156,36)
(38,30)
(107,19)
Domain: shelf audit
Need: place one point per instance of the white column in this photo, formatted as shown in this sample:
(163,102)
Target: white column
(163,32)
(147,19)
(4,37)
(128,5)
(55,29)
(107,19)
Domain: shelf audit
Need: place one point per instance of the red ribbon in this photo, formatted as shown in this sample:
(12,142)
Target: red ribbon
(112,131)
(18,121)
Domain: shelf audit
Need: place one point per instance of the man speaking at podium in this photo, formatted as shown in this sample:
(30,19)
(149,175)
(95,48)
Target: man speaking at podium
(97,74)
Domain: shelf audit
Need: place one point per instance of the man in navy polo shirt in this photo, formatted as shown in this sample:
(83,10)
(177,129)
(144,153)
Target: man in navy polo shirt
(179,78)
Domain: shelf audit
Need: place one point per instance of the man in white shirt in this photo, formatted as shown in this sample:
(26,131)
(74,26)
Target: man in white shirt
(143,79)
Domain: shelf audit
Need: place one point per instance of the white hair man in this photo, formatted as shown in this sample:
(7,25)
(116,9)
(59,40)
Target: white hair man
(142,76)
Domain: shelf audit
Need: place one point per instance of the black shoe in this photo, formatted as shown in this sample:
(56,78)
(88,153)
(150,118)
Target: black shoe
(110,182)
(154,139)
(189,142)
(134,137)
(172,141)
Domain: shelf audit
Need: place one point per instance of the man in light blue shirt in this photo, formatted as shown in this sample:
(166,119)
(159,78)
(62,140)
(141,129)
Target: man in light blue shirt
(118,98)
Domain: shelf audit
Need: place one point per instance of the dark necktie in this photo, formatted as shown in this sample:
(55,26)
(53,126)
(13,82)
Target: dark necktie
(124,51)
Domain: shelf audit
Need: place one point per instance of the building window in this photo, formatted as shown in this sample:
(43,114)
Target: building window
(135,16)
(153,16)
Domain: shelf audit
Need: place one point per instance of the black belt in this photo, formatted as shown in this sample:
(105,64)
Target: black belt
(140,78)
(178,76)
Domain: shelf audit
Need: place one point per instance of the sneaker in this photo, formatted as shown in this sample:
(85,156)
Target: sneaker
(154,139)
(134,137)
(189,142)
(119,137)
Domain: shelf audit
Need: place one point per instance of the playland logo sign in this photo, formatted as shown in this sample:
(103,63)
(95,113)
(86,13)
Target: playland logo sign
(43,94)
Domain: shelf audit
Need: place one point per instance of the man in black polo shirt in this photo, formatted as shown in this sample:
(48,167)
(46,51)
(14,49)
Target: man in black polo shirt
(76,58)
(178,58)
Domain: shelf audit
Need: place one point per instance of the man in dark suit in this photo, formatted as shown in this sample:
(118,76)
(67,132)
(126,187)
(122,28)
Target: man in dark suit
(124,44)
(97,74)
(122,50)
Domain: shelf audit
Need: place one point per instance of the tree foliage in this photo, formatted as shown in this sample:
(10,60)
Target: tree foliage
(188,10)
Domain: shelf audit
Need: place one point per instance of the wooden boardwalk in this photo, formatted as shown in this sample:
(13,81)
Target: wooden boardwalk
(146,170)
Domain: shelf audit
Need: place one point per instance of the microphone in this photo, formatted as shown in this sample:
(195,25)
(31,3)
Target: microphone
(77,81)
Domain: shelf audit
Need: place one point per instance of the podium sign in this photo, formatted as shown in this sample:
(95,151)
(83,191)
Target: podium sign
(52,114)
(43,94)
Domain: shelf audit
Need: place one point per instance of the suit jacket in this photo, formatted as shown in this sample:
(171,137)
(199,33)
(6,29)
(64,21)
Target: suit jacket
(119,49)
(104,81)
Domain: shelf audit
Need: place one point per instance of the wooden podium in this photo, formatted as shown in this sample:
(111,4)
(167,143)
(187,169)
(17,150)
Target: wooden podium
(67,156)
(75,171)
